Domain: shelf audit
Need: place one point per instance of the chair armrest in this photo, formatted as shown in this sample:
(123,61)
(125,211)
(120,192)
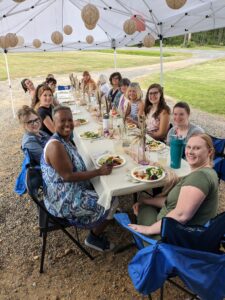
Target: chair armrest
(124,220)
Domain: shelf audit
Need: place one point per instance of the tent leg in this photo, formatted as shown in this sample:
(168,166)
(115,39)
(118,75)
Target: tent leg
(9,82)
(115,62)
(161,56)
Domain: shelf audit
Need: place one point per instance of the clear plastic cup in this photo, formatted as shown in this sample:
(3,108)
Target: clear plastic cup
(163,157)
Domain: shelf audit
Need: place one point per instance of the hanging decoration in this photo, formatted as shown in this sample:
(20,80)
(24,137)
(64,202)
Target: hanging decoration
(89,39)
(129,26)
(140,22)
(90,15)
(36,43)
(4,42)
(148,41)
(20,40)
(90,27)
(57,37)
(67,29)
(11,39)
(175,4)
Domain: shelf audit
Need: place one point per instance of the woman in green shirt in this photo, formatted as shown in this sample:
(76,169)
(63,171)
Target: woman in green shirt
(193,200)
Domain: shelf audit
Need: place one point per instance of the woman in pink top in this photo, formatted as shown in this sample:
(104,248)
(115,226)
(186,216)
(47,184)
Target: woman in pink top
(157,112)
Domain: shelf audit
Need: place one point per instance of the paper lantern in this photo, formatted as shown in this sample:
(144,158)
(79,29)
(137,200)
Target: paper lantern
(89,39)
(148,41)
(11,39)
(20,40)
(67,29)
(90,14)
(3,42)
(36,43)
(175,4)
(57,37)
(18,1)
(90,27)
(129,26)
(140,22)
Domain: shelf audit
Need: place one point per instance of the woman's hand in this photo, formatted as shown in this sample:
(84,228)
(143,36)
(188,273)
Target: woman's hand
(136,208)
(105,170)
(141,228)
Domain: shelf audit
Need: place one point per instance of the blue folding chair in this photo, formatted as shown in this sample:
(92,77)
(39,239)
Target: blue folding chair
(219,158)
(63,87)
(202,271)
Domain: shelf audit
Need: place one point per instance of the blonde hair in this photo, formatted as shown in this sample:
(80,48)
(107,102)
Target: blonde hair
(24,112)
(137,89)
(209,144)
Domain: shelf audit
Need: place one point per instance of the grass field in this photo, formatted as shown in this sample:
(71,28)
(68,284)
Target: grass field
(202,86)
(34,64)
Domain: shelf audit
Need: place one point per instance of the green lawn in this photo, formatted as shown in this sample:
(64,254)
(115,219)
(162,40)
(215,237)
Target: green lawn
(202,86)
(34,64)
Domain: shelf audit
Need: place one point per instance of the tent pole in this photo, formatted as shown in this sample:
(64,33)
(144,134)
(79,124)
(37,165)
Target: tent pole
(115,64)
(161,56)
(9,82)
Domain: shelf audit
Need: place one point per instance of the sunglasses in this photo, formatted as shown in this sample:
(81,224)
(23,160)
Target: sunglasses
(32,122)
(153,93)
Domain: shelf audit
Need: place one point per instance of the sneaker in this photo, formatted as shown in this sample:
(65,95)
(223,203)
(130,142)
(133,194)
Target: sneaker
(99,243)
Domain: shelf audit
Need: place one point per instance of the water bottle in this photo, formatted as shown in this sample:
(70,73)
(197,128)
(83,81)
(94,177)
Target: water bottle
(106,124)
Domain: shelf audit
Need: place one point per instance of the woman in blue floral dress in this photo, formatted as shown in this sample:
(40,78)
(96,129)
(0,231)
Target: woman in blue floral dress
(68,192)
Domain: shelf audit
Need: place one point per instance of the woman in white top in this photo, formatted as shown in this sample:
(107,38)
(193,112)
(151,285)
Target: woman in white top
(157,112)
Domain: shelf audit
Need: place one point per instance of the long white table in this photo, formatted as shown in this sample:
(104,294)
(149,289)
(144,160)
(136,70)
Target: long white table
(117,183)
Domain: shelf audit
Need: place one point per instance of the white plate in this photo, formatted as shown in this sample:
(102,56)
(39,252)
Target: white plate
(89,138)
(109,155)
(143,168)
(84,123)
(158,148)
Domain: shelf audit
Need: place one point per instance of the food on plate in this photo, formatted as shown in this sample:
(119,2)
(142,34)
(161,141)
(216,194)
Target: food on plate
(90,135)
(150,173)
(154,145)
(82,121)
(111,160)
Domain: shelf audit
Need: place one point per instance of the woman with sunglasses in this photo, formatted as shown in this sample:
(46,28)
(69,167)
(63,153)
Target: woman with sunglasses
(157,112)
(33,139)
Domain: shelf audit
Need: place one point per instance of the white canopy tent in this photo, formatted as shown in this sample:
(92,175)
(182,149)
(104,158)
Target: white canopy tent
(37,19)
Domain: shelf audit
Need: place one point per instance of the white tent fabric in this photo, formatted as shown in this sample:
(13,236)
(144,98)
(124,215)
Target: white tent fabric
(37,19)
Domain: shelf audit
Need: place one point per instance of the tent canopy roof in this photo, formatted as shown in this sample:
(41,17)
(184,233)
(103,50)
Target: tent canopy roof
(37,19)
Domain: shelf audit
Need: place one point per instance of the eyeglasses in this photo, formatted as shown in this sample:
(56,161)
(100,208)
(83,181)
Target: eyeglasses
(153,93)
(32,122)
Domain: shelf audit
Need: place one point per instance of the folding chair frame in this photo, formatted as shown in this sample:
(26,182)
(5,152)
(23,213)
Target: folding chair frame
(51,223)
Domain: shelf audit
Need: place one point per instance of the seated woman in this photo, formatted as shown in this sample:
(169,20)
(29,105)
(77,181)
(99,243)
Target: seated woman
(114,93)
(136,108)
(43,105)
(28,86)
(157,112)
(69,193)
(193,200)
(124,103)
(182,126)
(33,139)
(103,85)
(51,82)
(88,85)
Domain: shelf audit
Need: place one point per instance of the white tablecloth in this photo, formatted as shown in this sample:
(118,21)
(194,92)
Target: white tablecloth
(117,183)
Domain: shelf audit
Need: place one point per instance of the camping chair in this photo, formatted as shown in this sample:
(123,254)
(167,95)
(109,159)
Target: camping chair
(48,222)
(197,260)
(63,87)
(219,158)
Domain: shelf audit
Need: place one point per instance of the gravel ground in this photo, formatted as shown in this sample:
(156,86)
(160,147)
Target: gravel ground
(68,274)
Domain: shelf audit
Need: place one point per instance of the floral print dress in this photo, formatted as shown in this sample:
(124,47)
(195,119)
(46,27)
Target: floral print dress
(75,201)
